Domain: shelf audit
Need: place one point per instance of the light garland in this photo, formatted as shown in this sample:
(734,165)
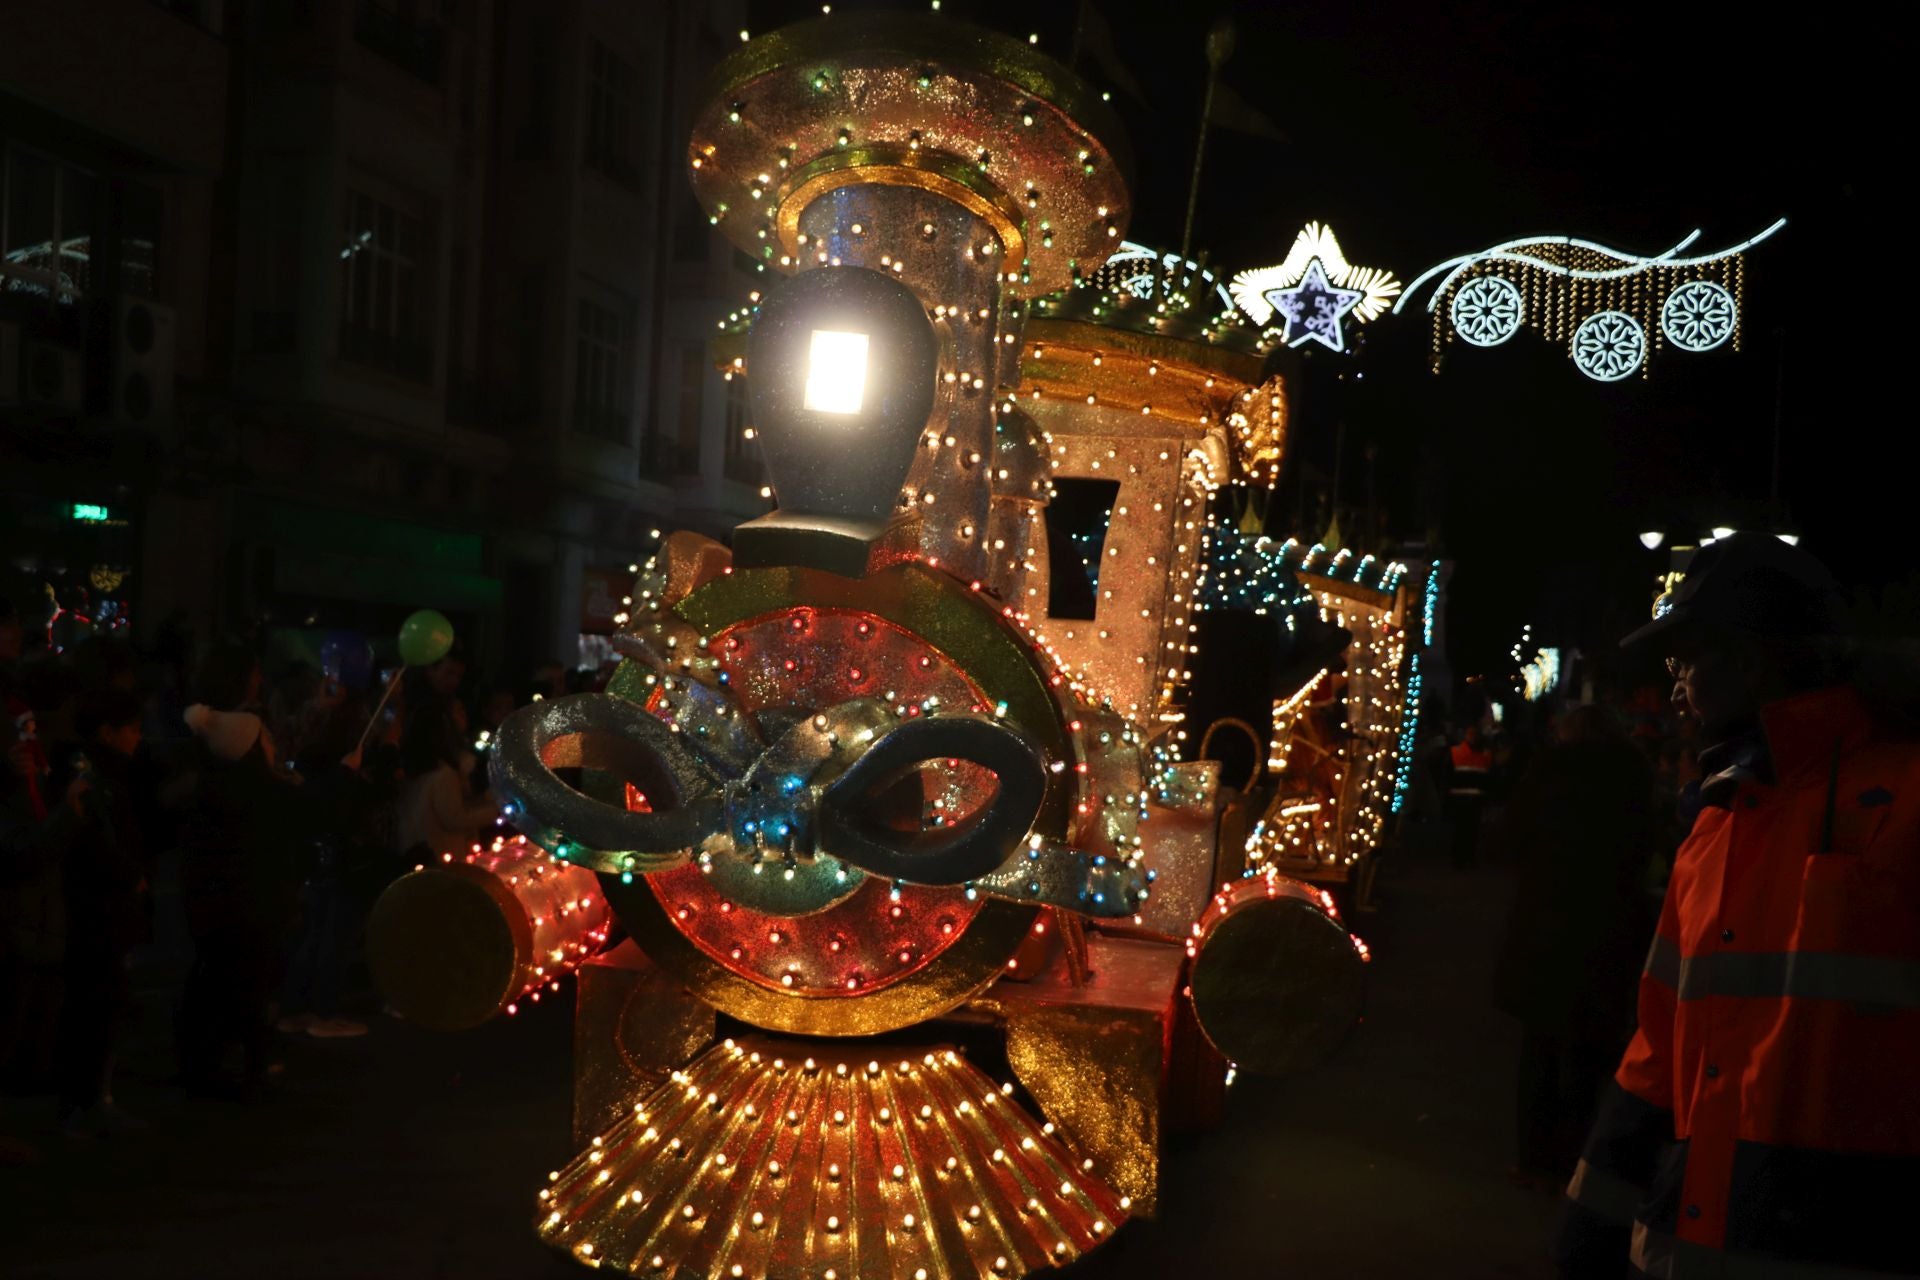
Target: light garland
(1329,814)
(1430,604)
(1612,308)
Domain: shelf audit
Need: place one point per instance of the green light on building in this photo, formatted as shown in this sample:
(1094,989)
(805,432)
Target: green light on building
(91,513)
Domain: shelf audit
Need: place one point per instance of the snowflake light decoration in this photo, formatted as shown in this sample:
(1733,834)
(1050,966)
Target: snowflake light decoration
(1609,346)
(1698,316)
(1486,311)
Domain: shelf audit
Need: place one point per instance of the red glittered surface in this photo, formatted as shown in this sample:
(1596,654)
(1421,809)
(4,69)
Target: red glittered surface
(798,662)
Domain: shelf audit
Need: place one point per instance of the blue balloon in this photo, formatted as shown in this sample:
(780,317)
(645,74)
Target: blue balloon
(347,657)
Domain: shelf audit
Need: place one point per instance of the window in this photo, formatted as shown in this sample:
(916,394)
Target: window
(1077,517)
(140,226)
(602,370)
(417,45)
(383,288)
(609,112)
(46,227)
(739,459)
(679,454)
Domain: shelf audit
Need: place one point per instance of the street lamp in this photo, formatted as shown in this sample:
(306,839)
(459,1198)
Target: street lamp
(1722,531)
(843,365)
(1652,539)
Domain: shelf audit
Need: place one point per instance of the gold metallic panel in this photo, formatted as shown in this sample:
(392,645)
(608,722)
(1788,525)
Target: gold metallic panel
(1060,354)
(1094,1056)
(926,86)
(1144,615)
(787,1160)
(1181,850)
(896,166)
(632,1027)
(690,560)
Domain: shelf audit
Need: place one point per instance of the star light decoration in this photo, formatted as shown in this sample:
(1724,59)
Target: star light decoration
(1314,290)
(1313,309)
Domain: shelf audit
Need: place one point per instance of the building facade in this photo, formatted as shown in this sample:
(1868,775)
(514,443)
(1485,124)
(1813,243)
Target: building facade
(320,311)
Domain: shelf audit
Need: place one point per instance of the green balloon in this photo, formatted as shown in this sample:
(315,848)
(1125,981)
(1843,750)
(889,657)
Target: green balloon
(425,637)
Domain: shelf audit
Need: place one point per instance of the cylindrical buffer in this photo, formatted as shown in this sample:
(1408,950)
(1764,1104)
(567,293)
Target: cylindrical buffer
(1277,981)
(457,941)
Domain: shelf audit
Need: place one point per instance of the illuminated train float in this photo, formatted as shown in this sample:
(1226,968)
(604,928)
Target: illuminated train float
(876,825)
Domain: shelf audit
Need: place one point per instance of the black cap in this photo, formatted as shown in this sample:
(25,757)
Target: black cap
(1751,583)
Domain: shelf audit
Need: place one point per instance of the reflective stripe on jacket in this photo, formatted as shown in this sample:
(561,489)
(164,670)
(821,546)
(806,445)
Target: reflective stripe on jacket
(1765,1120)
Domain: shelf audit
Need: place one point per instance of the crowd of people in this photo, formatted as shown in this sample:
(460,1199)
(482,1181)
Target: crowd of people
(264,809)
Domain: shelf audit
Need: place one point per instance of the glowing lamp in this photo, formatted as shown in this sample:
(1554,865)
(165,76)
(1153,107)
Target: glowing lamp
(843,369)
(836,372)
(1791,539)
(1652,539)
(1721,531)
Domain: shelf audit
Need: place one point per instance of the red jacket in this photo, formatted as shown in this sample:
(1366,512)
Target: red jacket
(1765,1121)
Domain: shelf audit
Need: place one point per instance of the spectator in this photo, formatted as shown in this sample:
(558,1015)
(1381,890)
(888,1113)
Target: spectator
(105,887)
(12,634)
(1471,762)
(298,701)
(338,802)
(235,878)
(438,810)
(1579,832)
(446,676)
(18,711)
(496,707)
(34,840)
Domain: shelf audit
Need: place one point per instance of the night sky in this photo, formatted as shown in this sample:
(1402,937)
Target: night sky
(1423,131)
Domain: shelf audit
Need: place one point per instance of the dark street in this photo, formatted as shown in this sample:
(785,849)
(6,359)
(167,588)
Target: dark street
(409,1153)
(950,640)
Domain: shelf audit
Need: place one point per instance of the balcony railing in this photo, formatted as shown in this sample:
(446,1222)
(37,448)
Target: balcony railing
(418,48)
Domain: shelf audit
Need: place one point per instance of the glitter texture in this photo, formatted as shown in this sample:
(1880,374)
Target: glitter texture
(795,1160)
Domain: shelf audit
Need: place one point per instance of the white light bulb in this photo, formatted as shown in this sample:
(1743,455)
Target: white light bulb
(836,372)
(1652,539)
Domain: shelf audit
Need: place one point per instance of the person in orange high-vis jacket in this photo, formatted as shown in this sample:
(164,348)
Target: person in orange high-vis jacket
(1765,1120)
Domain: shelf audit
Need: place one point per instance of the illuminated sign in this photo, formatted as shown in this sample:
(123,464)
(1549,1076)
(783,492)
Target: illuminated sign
(90,513)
